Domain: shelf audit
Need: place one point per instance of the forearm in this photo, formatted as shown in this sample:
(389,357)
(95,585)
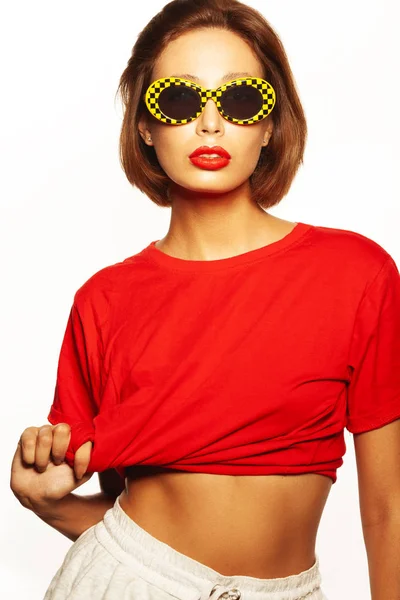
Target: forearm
(72,515)
(382,542)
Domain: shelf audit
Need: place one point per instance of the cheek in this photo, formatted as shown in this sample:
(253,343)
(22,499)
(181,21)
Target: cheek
(243,140)
(247,151)
(173,161)
(251,148)
(172,147)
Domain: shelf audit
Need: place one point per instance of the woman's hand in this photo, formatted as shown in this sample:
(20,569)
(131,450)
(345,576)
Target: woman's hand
(39,474)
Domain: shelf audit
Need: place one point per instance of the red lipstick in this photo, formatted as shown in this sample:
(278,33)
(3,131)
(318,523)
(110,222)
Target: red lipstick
(210,162)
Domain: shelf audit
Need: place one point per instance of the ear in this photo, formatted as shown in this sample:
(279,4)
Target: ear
(144,130)
(268,131)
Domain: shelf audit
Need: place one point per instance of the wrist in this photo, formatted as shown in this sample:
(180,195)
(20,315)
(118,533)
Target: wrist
(49,508)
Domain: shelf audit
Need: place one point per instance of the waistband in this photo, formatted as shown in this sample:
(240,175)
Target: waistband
(182,576)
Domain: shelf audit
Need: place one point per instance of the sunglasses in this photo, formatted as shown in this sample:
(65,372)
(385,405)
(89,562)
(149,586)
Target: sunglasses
(243,101)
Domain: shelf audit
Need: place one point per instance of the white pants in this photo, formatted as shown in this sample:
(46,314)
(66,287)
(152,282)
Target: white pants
(118,560)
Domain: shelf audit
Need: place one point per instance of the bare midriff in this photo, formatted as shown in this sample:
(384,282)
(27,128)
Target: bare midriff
(262,526)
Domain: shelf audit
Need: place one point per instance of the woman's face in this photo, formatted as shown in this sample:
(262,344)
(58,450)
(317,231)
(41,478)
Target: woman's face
(208,54)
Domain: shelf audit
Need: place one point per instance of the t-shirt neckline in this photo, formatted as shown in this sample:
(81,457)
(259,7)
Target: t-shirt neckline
(166,260)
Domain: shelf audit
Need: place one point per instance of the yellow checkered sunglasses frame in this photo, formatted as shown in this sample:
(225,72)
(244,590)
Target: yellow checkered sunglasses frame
(263,87)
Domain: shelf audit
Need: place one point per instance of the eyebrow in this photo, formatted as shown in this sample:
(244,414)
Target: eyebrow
(226,77)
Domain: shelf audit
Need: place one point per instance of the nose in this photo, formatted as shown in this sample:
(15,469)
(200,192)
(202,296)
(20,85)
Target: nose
(210,119)
(211,108)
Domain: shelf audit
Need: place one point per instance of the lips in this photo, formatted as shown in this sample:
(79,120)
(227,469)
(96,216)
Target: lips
(213,150)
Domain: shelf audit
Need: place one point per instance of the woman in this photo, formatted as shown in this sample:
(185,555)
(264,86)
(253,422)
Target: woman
(216,369)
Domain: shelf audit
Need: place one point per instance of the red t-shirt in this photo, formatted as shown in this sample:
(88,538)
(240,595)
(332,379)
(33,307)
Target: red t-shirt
(247,365)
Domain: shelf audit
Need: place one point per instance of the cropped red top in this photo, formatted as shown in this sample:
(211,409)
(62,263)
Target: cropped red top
(247,365)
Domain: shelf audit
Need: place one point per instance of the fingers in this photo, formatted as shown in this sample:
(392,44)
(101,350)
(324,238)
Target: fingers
(39,445)
(27,442)
(82,459)
(61,437)
(44,442)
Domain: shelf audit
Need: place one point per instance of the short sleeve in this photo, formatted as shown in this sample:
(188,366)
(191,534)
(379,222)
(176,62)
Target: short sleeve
(76,395)
(373,397)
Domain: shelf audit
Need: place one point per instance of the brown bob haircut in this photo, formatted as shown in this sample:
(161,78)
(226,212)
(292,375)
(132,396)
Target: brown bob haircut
(279,160)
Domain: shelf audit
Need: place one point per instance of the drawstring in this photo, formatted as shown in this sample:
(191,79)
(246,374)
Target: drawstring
(235,593)
(224,592)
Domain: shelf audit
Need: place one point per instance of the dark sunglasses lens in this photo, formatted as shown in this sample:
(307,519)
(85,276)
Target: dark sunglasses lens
(241,102)
(179,102)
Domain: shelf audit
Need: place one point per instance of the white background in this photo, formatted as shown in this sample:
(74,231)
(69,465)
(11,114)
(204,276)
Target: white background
(67,209)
